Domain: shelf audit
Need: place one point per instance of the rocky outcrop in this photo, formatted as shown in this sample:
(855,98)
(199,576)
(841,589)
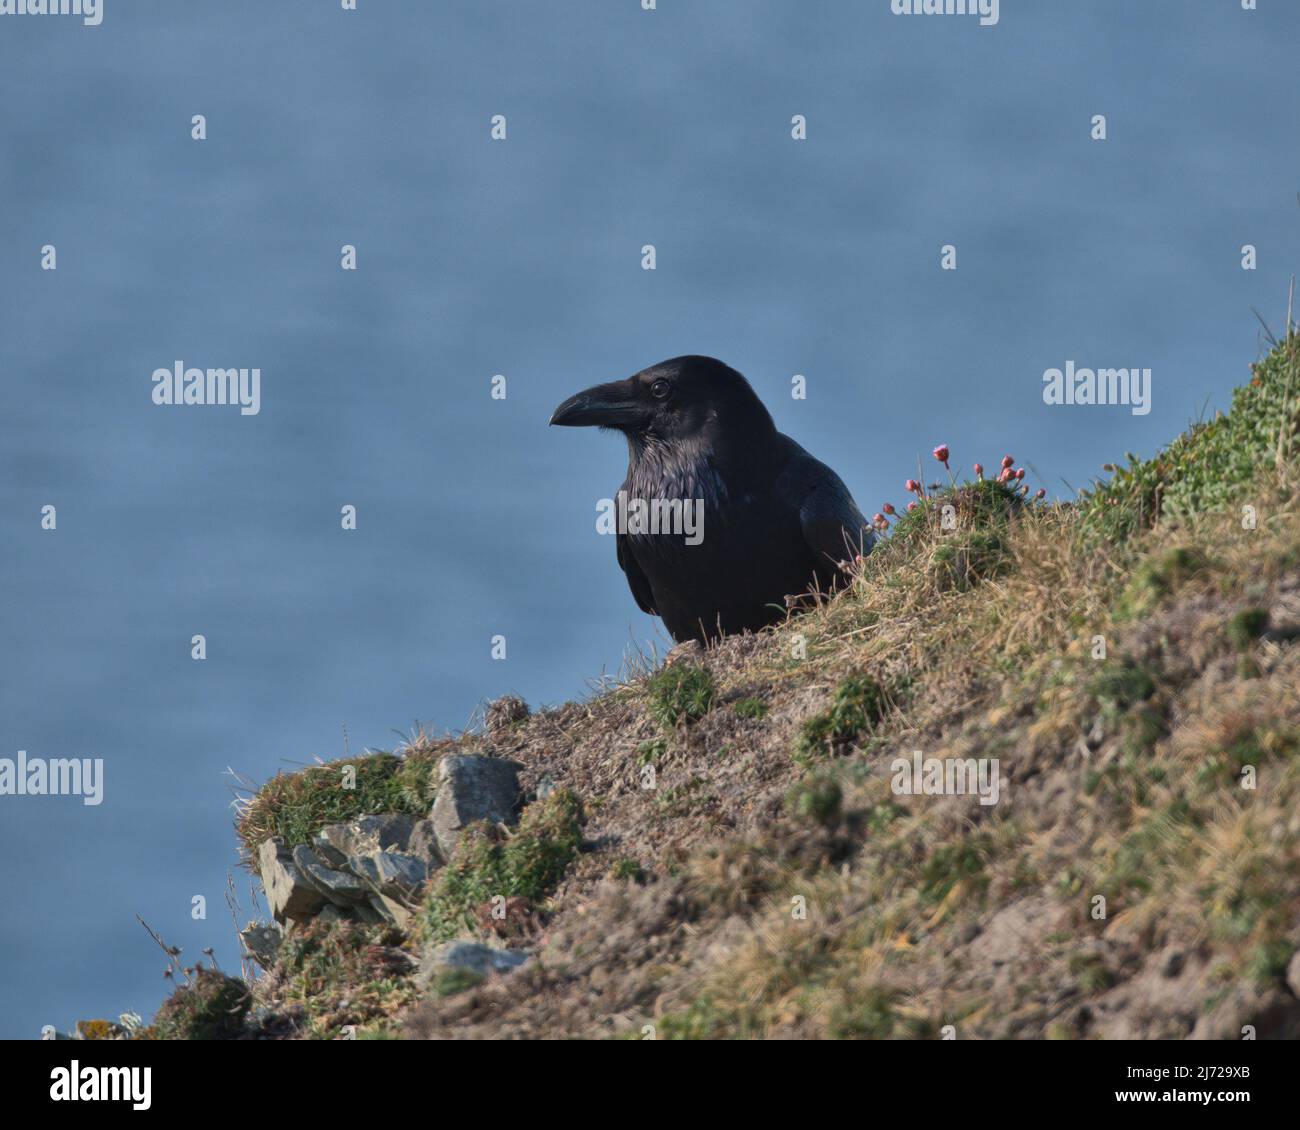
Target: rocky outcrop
(373,869)
(362,870)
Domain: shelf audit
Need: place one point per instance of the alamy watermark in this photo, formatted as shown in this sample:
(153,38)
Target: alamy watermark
(56,776)
(680,516)
(947,776)
(987,10)
(179,385)
(90,11)
(102,1084)
(1098,386)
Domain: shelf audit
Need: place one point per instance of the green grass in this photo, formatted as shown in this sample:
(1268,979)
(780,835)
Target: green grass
(682,693)
(295,806)
(1121,684)
(627,870)
(1210,467)
(1246,627)
(1158,578)
(213,1007)
(817,799)
(528,863)
(857,707)
(752,708)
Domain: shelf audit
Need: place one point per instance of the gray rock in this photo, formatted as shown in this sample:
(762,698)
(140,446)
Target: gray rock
(388,832)
(262,942)
(337,886)
(391,910)
(423,845)
(288,894)
(473,787)
(330,855)
(389,873)
(366,912)
(474,957)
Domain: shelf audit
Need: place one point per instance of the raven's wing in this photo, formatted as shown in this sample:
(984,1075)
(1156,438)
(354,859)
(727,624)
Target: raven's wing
(636,580)
(833,526)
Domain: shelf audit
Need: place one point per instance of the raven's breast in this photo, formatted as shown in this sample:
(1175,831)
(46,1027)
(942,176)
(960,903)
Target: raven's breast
(733,573)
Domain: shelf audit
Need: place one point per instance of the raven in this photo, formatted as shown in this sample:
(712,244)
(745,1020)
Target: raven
(776,522)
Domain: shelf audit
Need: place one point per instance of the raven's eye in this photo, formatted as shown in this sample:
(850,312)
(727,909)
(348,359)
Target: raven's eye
(660,389)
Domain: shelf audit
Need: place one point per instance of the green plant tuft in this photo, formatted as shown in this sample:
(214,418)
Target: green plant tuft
(527,863)
(682,693)
(858,706)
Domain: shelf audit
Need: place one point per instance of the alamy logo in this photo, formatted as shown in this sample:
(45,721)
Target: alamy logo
(947,776)
(987,10)
(1100,386)
(57,776)
(179,385)
(102,1084)
(90,11)
(681,516)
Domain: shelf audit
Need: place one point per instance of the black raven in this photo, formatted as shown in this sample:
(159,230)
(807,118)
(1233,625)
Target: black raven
(775,521)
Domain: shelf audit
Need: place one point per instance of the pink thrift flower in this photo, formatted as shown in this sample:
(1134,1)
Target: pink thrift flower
(1007,461)
(912,486)
(941,454)
(888,508)
(979,471)
(1041,493)
(911,506)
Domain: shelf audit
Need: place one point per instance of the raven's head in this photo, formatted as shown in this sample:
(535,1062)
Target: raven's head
(685,398)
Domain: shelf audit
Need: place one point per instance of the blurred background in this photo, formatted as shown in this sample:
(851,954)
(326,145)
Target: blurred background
(625,127)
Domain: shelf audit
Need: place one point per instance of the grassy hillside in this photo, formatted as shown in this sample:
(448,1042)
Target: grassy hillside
(721,853)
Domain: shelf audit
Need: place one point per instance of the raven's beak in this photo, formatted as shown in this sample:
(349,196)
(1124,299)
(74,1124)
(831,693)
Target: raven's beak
(614,405)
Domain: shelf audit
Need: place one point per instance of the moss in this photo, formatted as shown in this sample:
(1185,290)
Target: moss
(817,799)
(449,982)
(1090,973)
(872,1014)
(1267,962)
(1159,577)
(964,561)
(628,870)
(701,1020)
(1246,742)
(1246,627)
(752,708)
(951,863)
(1154,843)
(881,816)
(647,753)
(682,693)
(295,806)
(681,800)
(212,1007)
(1142,728)
(528,863)
(1121,684)
(857,707)
(343,974)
